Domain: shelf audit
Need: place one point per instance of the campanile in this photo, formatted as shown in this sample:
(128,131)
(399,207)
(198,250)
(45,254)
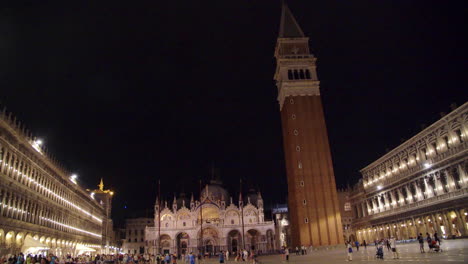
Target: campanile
(312,197)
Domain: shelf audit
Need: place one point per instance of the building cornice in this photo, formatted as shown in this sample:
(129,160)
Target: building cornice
(297,88)
(414,140)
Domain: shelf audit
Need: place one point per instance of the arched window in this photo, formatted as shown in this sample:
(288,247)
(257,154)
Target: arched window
(296,74)
(301,74)
(307,74)
(290,75)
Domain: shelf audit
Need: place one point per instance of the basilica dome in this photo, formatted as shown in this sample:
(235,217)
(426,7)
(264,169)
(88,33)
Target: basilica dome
(215,191)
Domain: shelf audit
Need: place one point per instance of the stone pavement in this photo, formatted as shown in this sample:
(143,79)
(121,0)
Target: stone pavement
(454,251)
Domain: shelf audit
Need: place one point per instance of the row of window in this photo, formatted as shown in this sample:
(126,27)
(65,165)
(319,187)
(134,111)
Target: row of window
(14,206)
(424,153)
(434,184)
(39,182)
(299,74)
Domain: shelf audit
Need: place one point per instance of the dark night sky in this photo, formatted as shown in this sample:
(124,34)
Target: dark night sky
(137,91)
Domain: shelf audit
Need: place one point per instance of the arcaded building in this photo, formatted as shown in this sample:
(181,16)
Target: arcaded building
(420,186)
(313,202)
(211,223)
(42,207)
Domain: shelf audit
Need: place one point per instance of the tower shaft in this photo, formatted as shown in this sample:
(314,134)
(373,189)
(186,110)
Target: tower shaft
(313,201)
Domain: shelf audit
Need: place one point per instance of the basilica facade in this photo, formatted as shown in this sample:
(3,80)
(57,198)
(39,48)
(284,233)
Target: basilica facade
(211,223)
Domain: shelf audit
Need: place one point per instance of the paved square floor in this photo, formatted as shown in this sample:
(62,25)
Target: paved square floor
(454,251)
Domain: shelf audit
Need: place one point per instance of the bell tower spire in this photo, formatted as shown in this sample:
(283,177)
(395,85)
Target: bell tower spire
(313,201)
(289,28)
(295,66)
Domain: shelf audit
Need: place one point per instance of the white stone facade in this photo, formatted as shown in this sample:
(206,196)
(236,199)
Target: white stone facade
(180,226)
(42,208)
(420,186)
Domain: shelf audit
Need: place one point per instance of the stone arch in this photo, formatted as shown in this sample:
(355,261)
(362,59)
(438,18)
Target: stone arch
(165,243)
(252,239)
(250,216)
(234,240)
(10,238)
(232,217)
(182,243)
(2,236)
(53,242)
(270,237)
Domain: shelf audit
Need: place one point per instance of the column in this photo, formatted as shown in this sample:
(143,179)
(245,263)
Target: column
(419,195)
(3,201)
(379,202)
(369,210)
(409,199)
(463,176)
(450,181)
(387,203)
(461,222)
(429,191)
(394,200)
(438,184)
(436,224)
(401,197)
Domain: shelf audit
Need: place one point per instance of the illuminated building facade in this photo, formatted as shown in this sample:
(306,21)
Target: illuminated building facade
(313,202)
(283,229)
(210,224)
(420,186)
(42,208)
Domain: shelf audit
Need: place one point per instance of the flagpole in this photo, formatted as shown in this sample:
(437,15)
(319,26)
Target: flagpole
(159,216)
(201,222)
(241,203)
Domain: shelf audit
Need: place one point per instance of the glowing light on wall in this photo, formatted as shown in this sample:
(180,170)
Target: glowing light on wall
(56,195)
(71,227)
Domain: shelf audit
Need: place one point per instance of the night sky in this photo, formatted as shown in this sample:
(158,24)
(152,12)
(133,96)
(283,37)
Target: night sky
(139,91)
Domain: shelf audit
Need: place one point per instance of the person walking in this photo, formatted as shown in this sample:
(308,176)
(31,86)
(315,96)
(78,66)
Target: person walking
(394,249)
(421,242)
(388,244)
(357,245)
(436,237)
(192,258)
(286,253)
(429,241)
(227,255)
(365,244)
(221,257)
(350,251)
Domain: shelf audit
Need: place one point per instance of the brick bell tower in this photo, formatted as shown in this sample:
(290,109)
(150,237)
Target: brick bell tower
(313,201)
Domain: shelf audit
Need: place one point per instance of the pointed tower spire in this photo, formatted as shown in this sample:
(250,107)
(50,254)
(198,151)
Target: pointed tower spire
(289,28)
(101,185)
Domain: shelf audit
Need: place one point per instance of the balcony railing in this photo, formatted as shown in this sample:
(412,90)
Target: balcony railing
(420,167)
(416,205)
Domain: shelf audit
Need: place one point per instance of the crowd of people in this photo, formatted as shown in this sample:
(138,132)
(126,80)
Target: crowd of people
(433,244)
(191,258)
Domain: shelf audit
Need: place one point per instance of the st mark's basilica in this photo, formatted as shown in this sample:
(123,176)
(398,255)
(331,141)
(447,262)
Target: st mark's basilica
(213,222)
